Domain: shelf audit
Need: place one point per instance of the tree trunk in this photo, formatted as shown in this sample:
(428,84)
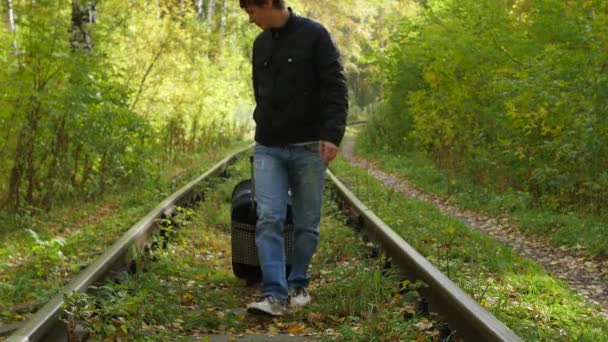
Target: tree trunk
(11,23)
(59,150)
(86,173)
(103,173)
(193,134)
(200,11)
(146,73)
(75,167)
(14,187)
(223,20)
(211,43)
(83,14)
(34,120)
(210,9)
(24,159)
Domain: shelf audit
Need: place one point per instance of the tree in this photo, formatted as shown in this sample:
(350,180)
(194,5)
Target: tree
(89,104)
(509,94)
(200,9)
(210,14)
(11,21)
(83,14)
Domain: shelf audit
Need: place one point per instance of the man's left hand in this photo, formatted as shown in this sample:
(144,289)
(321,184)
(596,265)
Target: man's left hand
(328,151)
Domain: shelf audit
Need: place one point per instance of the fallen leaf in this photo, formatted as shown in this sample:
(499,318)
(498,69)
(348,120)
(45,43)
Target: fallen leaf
(296,328)
(424,325)
(273,329)
(187,298)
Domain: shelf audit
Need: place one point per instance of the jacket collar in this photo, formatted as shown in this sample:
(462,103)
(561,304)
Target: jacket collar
(291,21)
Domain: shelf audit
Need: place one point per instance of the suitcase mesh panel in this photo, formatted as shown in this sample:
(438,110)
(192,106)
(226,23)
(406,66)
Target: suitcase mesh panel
(244,250)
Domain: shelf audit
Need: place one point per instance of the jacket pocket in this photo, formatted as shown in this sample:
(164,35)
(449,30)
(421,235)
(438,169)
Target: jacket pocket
(262,76)
(299,70)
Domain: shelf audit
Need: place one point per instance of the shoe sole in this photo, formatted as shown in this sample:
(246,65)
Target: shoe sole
(256,311)
(298,306)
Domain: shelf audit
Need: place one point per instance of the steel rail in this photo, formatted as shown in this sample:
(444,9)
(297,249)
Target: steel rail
(471,320)
(44,322)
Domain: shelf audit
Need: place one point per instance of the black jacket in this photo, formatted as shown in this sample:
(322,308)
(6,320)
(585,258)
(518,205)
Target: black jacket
(299,84)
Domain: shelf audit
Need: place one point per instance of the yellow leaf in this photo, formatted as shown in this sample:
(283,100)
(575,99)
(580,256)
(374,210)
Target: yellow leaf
(187,298)
(296,328)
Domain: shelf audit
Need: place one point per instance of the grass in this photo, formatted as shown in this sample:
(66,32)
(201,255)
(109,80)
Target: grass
(561,228)
(191,292)
(41,251)
(518,292)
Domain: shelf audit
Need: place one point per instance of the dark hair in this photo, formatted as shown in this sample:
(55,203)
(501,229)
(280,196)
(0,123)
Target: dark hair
(280,4)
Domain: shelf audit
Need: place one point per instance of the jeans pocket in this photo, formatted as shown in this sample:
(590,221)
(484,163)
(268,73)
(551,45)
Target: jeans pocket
(259,148)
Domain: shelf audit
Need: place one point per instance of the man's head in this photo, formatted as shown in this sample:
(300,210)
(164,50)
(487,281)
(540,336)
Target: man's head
(265,14)
(278,4)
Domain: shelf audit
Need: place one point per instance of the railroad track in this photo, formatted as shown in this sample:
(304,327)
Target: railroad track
(465,317)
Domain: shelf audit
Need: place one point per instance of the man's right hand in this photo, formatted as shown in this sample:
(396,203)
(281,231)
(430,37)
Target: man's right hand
(328,151)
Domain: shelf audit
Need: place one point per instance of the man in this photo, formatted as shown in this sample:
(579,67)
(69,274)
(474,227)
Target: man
(301,105)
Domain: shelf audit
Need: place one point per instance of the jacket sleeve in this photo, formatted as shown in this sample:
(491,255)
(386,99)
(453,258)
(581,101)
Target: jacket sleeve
(253,76)
(333,89)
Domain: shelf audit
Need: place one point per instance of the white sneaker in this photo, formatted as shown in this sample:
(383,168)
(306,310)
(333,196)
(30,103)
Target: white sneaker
(298,297)
(268,305)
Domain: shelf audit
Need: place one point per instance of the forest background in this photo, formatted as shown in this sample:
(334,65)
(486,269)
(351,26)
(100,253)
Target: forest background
(509,96)
(98,94)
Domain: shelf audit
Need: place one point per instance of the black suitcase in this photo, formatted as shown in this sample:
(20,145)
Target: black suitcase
(245,263)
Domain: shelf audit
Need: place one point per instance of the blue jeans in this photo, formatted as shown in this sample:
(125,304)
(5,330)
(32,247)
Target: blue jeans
(276,171)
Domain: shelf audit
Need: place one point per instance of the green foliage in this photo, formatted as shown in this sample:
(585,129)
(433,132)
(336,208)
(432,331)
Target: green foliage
(562,229)
(106,319)
(32,270)
(48,254)
(510,94)
(156,84)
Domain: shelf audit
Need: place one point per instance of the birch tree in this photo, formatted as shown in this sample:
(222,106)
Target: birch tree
(223,19)
(83,14)
(210,13)
(200,10)
(11,23)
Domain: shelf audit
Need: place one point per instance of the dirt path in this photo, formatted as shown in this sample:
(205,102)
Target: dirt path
(588,276)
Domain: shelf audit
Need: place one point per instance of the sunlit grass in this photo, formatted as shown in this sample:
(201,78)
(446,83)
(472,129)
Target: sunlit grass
(567,228)
(520,293)
(192,292)
(32,271)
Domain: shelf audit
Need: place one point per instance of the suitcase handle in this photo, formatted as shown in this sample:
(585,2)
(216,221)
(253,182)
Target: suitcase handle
(252,182)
